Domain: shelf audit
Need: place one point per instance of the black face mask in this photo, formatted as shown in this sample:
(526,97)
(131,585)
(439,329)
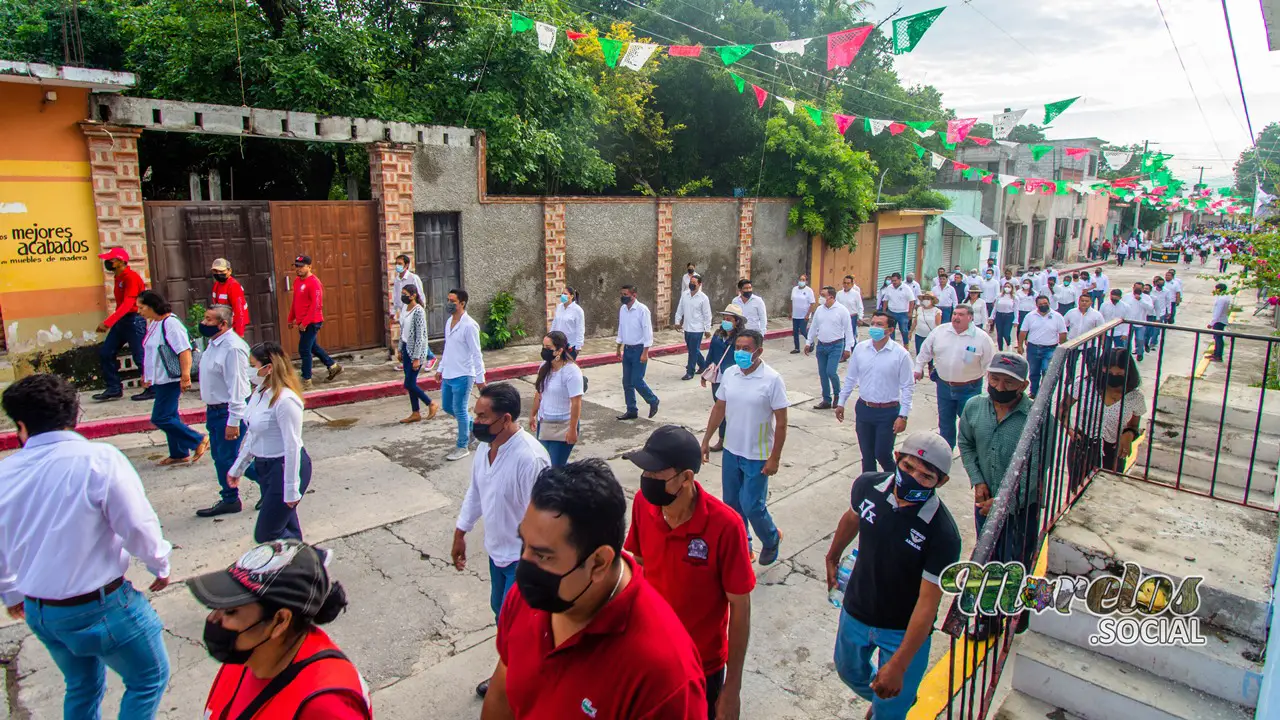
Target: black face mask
(1003,396)
(221,643)
(405,299)
(1115,380)
(626,300)
(693,288)
(548,354)
(746,294)
(1043,309)
(451,307)
(541,588)
(655,491)
(910,489)
(484,432)
(220,277)
(107,264)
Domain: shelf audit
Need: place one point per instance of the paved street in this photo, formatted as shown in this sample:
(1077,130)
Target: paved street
(422,633)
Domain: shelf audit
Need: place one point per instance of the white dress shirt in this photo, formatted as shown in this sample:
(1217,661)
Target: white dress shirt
(1162,299)
(1176,286)
(990,289)
(560,388)
(898,299)
(1221,309)
(1043,329)
(750,400)
(958,357)
(1026,301)
(946,297)
(1062,295)
(461,355)
(831,324)
(1111,311)
(694,313)
(571,321)
(802,299)
(1006,304)
(880,376)
(1101,283)
(171,329)
(500,493)
(915,286)
(635,325)
(1079,323)
(757,316)
(224,375)
(979,310)
(274,431)
(399,282)
(851,300)
(1146,305)
(72,512)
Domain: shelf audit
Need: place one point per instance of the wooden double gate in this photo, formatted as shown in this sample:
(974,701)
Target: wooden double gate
(261,240)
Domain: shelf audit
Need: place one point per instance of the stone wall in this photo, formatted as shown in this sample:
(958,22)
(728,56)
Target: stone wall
(610,245)
(706,234)
(778,256)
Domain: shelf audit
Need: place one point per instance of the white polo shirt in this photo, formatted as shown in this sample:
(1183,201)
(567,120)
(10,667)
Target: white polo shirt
(1079,323)
(802,299)
(898,299)
(1043,329)
(750,401)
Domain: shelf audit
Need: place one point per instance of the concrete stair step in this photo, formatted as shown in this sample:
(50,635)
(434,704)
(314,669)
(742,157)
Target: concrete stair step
(1227,487)
(1167,432)
(1242,405)
(1219,667)
(1230,470)
(1096,687)
(1021,706)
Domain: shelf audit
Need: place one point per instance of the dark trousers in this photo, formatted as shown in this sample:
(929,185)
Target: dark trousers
(874,427)
(715,388)
(693,343)
(1004,329)
(1217,341)
(224,451)
(715,684)
(276,520)
(416,394)
(951,402)
(633,377)
(128,330)
(1120,260)
(164,415)
(1064,308)
(1084,456)
(307,346)
(799,328)
(1038,357)
(1018,537)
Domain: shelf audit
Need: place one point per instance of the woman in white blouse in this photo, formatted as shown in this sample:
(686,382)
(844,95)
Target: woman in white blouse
(1025,301)
(273,443)
(1006,307)
(557,399)
(570,320)
(415,353)
(928,317)
(164,330)
(1113,389)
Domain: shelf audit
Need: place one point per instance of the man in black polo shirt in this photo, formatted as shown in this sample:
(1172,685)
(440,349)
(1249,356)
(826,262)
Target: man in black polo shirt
(906,537)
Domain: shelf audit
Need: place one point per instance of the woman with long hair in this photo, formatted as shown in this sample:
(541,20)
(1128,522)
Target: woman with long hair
(1006,309)
(414,352)
(1111,388)
(166,331)
(557,399)
(720,356)
(273,443)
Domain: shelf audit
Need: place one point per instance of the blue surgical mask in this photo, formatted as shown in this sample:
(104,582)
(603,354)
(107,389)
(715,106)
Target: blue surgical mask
(744,358)
(726,326)
(564,298)
(876,333)
(910,489)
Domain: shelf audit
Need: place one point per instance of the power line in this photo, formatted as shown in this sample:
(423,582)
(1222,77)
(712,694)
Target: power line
(968,4)
(1187,75)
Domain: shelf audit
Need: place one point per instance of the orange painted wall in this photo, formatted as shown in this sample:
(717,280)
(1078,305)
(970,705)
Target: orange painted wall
(34,130)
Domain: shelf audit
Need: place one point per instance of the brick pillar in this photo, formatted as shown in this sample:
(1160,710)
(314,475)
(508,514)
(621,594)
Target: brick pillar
(117,196)
(746,231)
(662,303)
(391,183)
(553,254)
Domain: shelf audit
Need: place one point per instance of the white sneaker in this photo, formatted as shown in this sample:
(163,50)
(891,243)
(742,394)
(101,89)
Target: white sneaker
(457,454)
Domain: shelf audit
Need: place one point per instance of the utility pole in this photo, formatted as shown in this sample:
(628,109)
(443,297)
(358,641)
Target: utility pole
(1201,168)
(1137,202)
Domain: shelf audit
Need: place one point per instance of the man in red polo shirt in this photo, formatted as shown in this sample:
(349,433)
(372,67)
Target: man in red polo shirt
(307,314)
(582,634)
(694,551)
(123,327)
(227,291)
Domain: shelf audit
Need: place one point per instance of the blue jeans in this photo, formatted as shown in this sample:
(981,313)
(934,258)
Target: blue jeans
(633,378)
(307,346)
(1004,329)
(120,631)
(746,490)
(559,450)
(164,415)
(1115,341)
(903,322)
(829,369)
(1097,298)
(946,313)
(128,330)
(856,642)
(224,451)
(1153,334)
(276,520)
(1038,357)
(693,343)
(951,400)
(799,328)
(1217,341)
(416,394)
(874,427)
(455,393)
(1139,344)
(501,580)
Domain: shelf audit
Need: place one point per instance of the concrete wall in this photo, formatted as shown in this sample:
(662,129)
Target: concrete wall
(707,235)
(965,250)
(608,245)
(778,256)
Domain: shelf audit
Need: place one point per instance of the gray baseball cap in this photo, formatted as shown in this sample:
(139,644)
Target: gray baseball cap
(930,447)
(1011,364)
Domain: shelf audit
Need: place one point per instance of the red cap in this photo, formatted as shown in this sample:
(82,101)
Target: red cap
(115,254)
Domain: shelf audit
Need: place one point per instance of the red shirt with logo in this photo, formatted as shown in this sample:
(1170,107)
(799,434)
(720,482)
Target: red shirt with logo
(308,301)
(633,661)
(128,286)
(229,293)
(696,566)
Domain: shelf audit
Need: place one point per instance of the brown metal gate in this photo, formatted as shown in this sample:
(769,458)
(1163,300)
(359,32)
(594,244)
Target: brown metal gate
(342,239)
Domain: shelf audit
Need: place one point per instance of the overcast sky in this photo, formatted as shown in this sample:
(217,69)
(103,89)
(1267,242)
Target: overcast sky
(1118,56)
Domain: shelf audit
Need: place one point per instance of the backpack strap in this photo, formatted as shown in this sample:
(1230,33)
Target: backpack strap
(280,681)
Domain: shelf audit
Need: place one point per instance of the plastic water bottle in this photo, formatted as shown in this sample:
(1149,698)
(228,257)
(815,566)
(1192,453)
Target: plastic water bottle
(836,596)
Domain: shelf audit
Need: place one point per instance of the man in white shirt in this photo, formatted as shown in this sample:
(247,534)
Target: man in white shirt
(880,370)
(694,316)
(831,332)
(635,337)
(72,514)
(1143,309)
(1116,307)
(994,268)
(752,306)
(899,300)
(1101,287)
(404,277)
(990,289)
(461,364)
(960,352)
(941,280)
(1062,297)
(911,283)
(1221,315)
(1174,285)
(508,460)
(1082,318)
(803,304)
(850,298)
(1162,297)
(947,300)
(224,386)
(973,278)
(1041,333)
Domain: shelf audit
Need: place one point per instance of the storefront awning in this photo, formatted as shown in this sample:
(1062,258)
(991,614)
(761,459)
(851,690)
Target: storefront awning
(968,225)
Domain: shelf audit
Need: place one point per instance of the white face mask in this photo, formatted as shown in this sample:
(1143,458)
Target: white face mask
(254,378)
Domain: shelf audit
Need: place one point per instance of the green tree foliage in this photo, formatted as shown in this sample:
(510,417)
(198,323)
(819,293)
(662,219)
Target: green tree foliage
(1262,163)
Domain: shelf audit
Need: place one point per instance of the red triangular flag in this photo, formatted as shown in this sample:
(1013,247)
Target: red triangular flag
(895,128)
(958,130)
(685,51)
(1077,152)
(844,121)
(960,166)
(843,46)
(988,178)
(574,35)
(761,95)
(980,140)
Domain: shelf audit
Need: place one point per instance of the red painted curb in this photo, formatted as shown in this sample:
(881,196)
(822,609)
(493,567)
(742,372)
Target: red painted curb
(109,427)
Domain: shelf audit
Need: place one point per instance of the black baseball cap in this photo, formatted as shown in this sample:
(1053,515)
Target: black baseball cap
(670,446)
(302,260)
(288,573)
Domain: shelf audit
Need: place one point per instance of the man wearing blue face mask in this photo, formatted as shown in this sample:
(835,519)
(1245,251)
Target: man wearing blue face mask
(880,369)
(906,538)
(753,401)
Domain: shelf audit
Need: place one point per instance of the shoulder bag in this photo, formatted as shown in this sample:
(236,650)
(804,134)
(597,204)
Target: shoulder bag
(712,373)
(168,357)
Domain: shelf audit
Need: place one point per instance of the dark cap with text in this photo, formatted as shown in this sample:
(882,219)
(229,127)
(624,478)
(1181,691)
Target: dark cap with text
(302,260)
(288,573)
(670,446)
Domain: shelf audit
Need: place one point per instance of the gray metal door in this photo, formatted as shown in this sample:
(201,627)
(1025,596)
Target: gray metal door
(437,252)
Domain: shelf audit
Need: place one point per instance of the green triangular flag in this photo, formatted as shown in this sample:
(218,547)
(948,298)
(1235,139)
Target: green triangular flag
(907,31)
(967,174)
(814,114)
(520,23)
(1062,189)
(920,125)
(949,146)
(612,49)
(1053,110)
(730,54)
(866,124)
(742,84)
(1012,190)
(1039,151)
(920,151)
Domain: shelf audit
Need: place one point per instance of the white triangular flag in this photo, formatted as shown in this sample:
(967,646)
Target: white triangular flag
(1008,144)
(546,36)
(637,55)
(1116,159)
(1080,188)
(791,105)
(1007,180)
(1004,123)
(936,160)
(878,126)
(795,47)
(925,133)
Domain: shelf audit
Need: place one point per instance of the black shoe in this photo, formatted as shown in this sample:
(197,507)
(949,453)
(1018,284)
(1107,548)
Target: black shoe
(224,507)
(795,352)
(148,394)
(824,405)
(629,416)
(653,408)
(107,395)
(687,376)
(258,505)
(482,689)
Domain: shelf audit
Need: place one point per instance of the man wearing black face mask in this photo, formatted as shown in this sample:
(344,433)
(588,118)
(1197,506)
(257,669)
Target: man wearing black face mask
(224,387)
(694,317)
(227,291)
(582,607)
(1040,334)
(635,337)
(507,462)
(694,553)
(123,327)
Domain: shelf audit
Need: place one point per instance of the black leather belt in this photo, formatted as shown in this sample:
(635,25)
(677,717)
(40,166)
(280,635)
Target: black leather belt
(86,598)
(218,406)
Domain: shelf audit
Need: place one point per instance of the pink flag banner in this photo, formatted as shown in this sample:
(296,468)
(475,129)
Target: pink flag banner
(761,95)
(685,51)
(896,128)
(1076,152)
(844,121)
(958,130)
(843,46)
(980,140)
